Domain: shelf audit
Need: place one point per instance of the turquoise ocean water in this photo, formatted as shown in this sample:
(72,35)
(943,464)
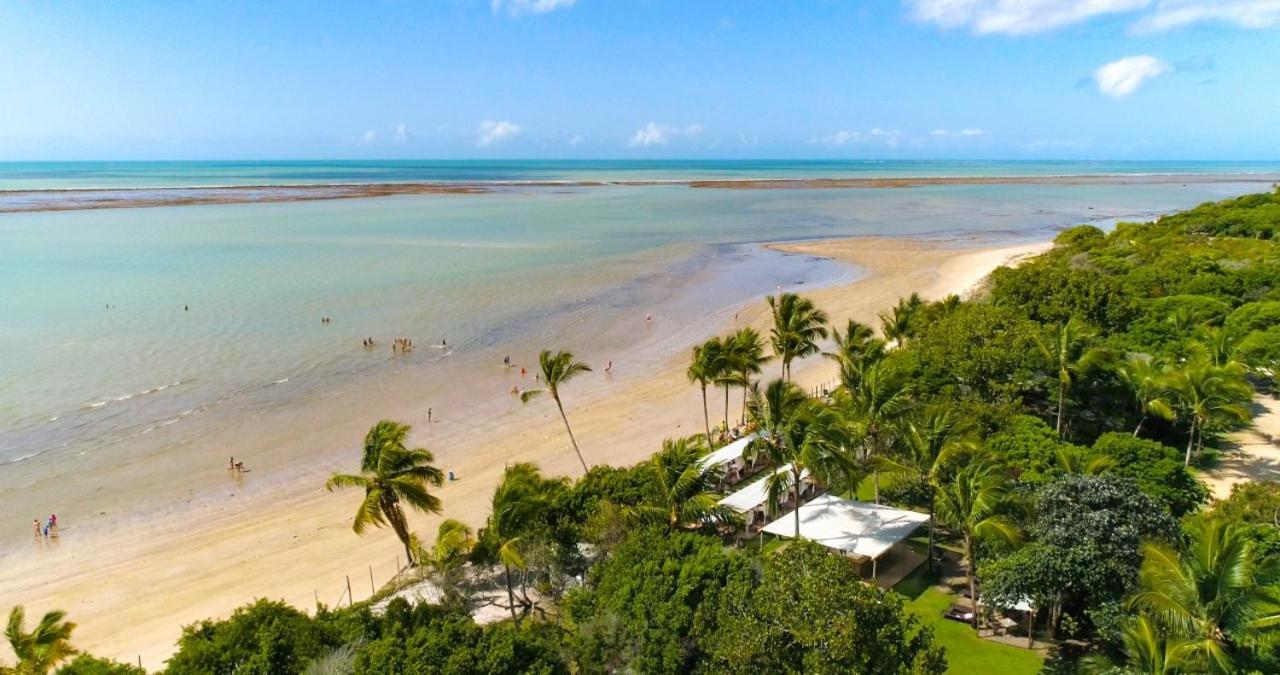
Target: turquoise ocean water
(67,175)
(98,356)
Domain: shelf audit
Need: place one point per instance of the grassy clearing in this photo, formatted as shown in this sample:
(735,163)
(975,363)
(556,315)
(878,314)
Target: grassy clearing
(966,652)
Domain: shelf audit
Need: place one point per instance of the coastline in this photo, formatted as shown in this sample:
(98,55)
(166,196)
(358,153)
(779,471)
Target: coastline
(132,588)
(91,198)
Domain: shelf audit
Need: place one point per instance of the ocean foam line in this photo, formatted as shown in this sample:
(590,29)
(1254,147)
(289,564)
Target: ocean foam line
(125,397)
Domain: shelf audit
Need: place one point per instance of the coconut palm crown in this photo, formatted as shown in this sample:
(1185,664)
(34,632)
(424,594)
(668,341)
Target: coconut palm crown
(391,475)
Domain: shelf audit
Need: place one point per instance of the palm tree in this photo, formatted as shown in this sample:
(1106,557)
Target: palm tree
(1205,393)
(1215,593)
(1080,461)
(686,488)
(519,507)
(1148,650)
(745,359)
(797,326)
(802,434)
(1068,352)
(777,412)
(1144,376)
(47,645)
(557,369)
(707,364)
(973,502)
(447,558)
(935,437)
(874,402)
(391,475)
(1222,346)
(856,348)
(899,323)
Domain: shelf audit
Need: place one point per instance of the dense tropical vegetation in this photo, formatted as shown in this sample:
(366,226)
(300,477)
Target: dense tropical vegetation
(1052,429)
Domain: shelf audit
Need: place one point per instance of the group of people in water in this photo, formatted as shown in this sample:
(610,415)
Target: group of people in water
(49,529)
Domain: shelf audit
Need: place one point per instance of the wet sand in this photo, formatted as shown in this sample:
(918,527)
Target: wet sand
(76,199)
(276,533)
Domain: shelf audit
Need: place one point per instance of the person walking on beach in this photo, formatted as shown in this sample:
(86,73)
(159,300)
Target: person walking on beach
(428,415)
(35,527)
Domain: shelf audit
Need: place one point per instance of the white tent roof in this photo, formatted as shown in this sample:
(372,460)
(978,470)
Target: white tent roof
(754,494)
(727,454)
(860,528)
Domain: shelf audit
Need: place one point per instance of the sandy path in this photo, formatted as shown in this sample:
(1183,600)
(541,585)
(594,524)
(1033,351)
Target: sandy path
(132,592)
(1256,451)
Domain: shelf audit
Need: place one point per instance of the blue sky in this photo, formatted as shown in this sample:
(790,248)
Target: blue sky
(1123,79)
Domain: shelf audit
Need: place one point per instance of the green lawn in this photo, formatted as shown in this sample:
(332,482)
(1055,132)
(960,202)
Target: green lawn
(966,652)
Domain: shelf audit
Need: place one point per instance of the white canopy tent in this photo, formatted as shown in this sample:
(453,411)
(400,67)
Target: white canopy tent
(755,494)
(857,528)
(727,454)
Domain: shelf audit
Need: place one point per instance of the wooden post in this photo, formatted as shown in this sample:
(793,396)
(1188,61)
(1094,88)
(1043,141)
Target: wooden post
(351,600)
(372,588)
(317,592)
(139,661)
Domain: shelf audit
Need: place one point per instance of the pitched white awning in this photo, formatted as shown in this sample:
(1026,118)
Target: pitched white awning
(726,454)
(755,494)
(860,528)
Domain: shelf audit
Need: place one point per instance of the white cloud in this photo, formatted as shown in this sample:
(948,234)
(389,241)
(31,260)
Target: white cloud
(368,138)
(1122,77)
(402,133)
(650,134)
(889,137)
(1024,17)
(840,138)
(576,140)
(962,132)
(1171,14)
(522,7)
(1015,17)
(496,131)
(656,134)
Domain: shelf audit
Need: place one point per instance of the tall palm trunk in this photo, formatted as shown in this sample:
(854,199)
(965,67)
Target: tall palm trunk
(744,404)
(572,440)
(973,577)
(511,596)
(1062,400)
(398,524)
(726,408)
(796,477)
(706,417)
(1191,439)
(1141,421)
(933,499)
